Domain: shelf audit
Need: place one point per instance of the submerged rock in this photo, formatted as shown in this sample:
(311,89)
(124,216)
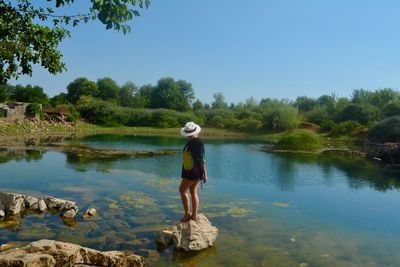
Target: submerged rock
(55,253)
(191,235)
(165,237)
(89,213)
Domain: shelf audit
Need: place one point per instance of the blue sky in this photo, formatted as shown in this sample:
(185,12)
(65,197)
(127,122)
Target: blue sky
(259,48)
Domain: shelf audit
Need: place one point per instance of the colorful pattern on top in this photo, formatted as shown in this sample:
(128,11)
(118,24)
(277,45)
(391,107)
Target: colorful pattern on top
(193,158)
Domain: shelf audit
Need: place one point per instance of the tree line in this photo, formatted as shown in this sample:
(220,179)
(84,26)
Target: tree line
(170,102)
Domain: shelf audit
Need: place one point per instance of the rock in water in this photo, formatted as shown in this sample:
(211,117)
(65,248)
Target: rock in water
(14,203)
(42,205)
(54,253)
(31,202)
(2,211)
(165,237)
(89,213)
(194,235)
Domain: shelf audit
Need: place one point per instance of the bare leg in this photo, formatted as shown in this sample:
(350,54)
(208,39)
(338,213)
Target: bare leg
(183,187)
(195,199)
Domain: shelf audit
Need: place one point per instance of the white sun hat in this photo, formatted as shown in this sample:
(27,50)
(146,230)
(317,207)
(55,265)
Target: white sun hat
(190,129)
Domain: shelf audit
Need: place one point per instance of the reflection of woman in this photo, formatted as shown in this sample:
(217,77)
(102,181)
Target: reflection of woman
(193,170)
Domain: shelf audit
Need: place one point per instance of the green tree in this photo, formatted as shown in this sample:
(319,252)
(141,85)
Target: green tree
(108,89)
(126,93)
(143,97)
(31,94)
(392,109)
(305,103)
(279,115)
(187,92)
(328,102)
(362,113)
(198,105)
(362,96)
(31,32)
(80,87)
(60,99)
(6,91)
(172,95)
(219,101)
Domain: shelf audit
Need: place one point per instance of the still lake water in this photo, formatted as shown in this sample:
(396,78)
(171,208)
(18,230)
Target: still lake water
(271,209)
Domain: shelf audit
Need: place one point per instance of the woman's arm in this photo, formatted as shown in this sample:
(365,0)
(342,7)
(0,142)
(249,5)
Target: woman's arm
(205,177)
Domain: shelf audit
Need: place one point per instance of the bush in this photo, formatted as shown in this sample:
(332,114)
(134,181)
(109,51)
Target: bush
(299,140)
(32,110)
(317,115)
(73,116)
(392,109)
(283,117)
(362,113)
(387,130)
(105,113)
(346,128)
(327,126)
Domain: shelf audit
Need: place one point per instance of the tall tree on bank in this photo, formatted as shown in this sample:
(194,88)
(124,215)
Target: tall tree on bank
(108,89)
(126,93)
(174,95)
(219,101)
(31,33)
(80,87)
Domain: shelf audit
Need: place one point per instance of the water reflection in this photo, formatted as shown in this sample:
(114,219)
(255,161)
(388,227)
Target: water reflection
(359,172)
(20,155)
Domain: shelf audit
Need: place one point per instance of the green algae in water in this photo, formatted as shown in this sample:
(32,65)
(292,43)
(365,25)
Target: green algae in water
(138,200)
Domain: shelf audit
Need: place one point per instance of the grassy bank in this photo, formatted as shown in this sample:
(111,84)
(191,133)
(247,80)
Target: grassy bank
(30,129)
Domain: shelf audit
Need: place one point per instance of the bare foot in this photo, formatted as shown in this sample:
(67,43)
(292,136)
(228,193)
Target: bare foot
(186,217)
(194,217)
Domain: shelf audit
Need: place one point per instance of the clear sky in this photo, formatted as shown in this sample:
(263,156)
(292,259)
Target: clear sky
(259,48)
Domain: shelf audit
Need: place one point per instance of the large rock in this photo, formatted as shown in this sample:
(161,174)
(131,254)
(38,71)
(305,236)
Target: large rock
(55,253)
(14,204)
(194,235)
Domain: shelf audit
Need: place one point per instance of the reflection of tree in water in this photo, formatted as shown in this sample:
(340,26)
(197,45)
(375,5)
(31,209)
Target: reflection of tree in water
(162,141)
(86,162)
(285,177)
(358,171)
(28,155)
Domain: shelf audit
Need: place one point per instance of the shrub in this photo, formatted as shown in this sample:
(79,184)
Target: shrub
(164,119)
(283,117)
(299,140)
(346,128)
(317,115)
(327,126)
(387,130)
(32,110)
(362,113)
(73,116)
(392,109)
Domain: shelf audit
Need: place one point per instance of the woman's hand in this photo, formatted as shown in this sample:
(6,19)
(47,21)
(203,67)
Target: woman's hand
(205,178)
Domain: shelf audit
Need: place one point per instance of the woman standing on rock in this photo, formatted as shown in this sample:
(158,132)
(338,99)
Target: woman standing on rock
(193,170)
